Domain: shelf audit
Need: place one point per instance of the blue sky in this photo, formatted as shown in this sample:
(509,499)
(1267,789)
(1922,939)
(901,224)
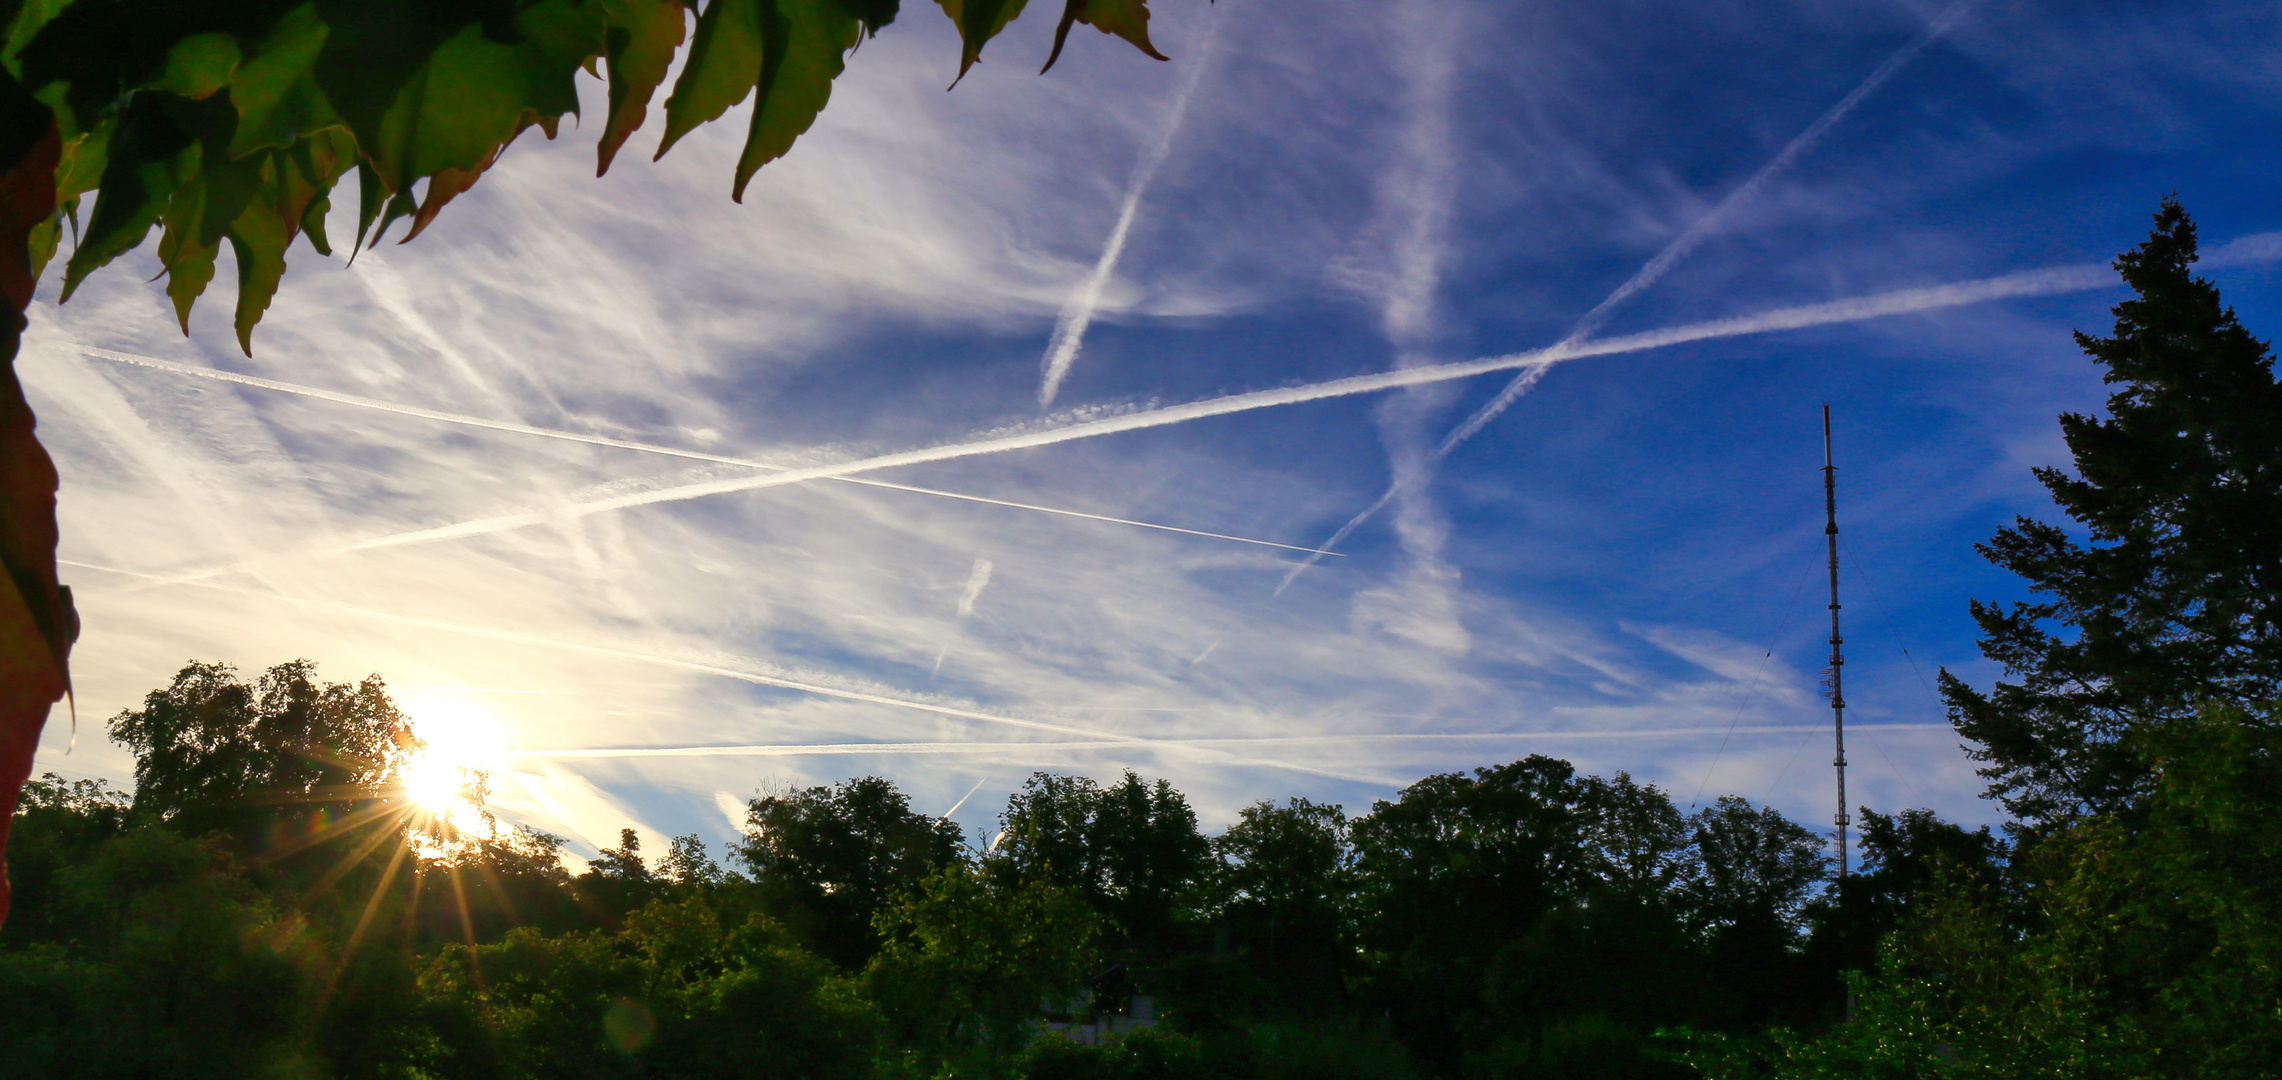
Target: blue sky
(1620,569)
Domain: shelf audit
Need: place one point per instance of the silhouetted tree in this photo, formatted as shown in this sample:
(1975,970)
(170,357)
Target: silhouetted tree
(212,752)
(687,864)
(618,879)
(1906,857)
(827,859)
(2176,598)
(1636,841)
(1131,850)
(1279,888)
(1754,872)
(2150,949)
(1454,868)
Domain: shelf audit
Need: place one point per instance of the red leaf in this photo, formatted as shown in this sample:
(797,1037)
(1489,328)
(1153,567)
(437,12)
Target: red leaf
(37,624)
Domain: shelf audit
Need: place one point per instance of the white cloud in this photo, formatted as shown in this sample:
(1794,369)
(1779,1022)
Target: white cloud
(1338,199)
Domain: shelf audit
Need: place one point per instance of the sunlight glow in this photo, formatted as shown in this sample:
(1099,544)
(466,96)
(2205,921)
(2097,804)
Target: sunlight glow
(461,739)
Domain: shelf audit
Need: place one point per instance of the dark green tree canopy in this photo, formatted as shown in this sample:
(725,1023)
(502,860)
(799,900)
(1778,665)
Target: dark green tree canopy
(2175,597)
(1459,856)
(1754,867)
(1521,920)
(1284,862)
(212,751)
(831,858)
(1905,853)
(1131,849)
(1636,842)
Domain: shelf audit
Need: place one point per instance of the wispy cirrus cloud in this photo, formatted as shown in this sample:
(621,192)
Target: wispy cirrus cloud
(553,475)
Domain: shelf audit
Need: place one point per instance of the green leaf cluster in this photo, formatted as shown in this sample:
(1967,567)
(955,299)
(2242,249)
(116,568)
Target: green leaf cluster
(235,121)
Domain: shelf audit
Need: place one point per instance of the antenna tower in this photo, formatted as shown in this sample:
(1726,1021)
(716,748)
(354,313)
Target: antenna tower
(1837,659)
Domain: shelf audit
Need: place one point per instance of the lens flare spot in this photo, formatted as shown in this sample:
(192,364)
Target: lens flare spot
(628,1025)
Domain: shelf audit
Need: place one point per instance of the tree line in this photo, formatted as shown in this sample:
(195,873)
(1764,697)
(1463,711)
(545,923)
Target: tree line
(265,892)
(267,900)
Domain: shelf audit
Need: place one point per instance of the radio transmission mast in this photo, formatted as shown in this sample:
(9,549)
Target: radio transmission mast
(1837,659)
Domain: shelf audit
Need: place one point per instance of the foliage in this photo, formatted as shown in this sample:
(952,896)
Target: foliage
(175,966)
(686,864)
(2151,946)
(1904,857)
(236,121)
(1454,863)
(57,821)
(1278,891)
(2129,944)
(212,751)
(1322,1051)
(1147,1054)
(1284,862)
(971,953)
(2177,597)
(1755,865)
(675,993)
(1637,844)
(1131,850)
(831,859)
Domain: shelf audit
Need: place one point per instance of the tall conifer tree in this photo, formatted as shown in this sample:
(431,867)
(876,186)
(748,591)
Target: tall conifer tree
(2176,597)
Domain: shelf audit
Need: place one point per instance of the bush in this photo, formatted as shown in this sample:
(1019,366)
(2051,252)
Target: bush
(1145,1054)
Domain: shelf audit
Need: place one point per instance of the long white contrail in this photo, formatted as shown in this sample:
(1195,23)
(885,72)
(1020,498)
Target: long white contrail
(1090,736)
(1688,240)
(2046,282)
(984,747)
(464,420)
(979,782)
(1654,270)
(1078,311)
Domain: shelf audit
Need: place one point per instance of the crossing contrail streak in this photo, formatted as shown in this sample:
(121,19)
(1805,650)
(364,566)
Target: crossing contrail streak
(462,419)
(1654,270)
(1693,236)
(2046,282)
(1091,737)
(819,749)
(1078,311)
(1688,240)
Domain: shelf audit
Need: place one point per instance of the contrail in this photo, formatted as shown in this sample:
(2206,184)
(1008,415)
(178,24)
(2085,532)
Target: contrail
(1685,244)
(977,579)
(898,748)
(1091,737)
(1353,524)
(979,781)
(1078,311)
(1654,270)
(462,419)
(2046,282)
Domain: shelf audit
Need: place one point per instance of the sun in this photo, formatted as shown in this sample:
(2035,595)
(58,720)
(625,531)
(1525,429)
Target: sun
(461,738)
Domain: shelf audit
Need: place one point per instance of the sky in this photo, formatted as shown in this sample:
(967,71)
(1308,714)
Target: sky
(992,433)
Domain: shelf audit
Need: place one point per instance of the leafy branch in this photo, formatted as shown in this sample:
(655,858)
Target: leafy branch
(236,121)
